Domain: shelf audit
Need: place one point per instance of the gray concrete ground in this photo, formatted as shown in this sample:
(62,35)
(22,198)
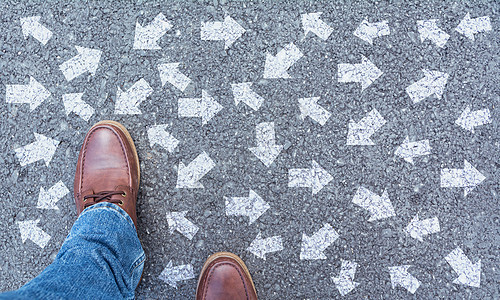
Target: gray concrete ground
(471,222)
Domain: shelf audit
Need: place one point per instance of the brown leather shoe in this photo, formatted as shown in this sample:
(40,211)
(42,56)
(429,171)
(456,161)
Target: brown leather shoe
(107,169)
(225,276)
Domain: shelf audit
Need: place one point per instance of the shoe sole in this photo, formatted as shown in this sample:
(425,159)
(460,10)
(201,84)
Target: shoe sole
(214,256)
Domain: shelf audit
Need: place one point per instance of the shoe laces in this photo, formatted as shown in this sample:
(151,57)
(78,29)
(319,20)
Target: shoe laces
(103,196)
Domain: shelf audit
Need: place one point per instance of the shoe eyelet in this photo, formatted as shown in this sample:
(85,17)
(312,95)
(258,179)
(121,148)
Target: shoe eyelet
(124,194)
(121,203)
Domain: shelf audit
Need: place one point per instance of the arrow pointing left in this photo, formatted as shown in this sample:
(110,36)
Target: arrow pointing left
(468,177)
(312,23)
(31,26)
(365,72)
(315,177)
(33,93)
(30,230)
(177,221)
(190,175)
(266,150)
(128,102)
(170,73)
(310,107)
(158,134)
(409,150)
(469,120)
(74,103)
(312,247)
(87,60)
(171,275)
(260,247)
(401,276)
(43,148)
(228,31)
(243,92)
(469,27)
(417,228)
(48,199)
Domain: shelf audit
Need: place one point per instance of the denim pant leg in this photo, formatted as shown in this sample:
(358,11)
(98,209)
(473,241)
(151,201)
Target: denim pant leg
(101,258)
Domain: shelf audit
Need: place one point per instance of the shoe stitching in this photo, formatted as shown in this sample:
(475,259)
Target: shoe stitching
(210,278)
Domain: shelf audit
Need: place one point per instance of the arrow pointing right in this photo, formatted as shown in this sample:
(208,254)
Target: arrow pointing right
(418,229)
(229,31)
(205,107)
(48,199)
(147,37)
(30,230)
(468,273)
(428,29)
(468,177)
(368,31)
(432,84)
(315,177)
(86,60)
(31,26)
(365,72)
(33,93)
(401,276)
(313,247)
(409,150)
(252,206)
(43,148)
(171,275)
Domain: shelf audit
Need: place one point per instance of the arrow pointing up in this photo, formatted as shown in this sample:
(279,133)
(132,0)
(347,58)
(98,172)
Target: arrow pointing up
(345,281)
(470,120)
(177,221)
(409,150)
(43,148)
(33,93)
(277,66)
(171,275)
(315,177)
(158,134)
(380,207)
(400,276)
(30,230)
(252,206)
(428,29)
(205,107)
(87,60)
(418,229)
(310,107)
(360,133)
(229,31)
(190,175)
(312,23)
(147,37)
(365,72)
(48,199)
(468,177)
(128,102)
(243,92)
(432,84)
(260,247)
(469,27)
(170,73)
(368,31)
(468,273)
(266,150)
(74,103)
(313,247)
(31,26)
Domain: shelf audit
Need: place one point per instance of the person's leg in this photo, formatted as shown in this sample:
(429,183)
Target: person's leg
(102,257)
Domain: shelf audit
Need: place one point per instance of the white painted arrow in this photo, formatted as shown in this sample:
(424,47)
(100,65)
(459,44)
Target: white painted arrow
(401,276)
(48,199)
(428,29)
(252,206)
(158,134)
(432,84)
(368,31)
(418,229)
(365,72)
(313,247)
(127,103)
(190,175)
(31,26)
(468,273)
(380,207)
(469,27)
(228,31)
(30,230)
(205,107)
(33,93)
(43,148)
(266,150)
(177,221)
(277,66)
(170,73)
(171,275)
(310,107)
(315,177)
(260,247)
(87,60)
(312,23)
(345,281)
(147,37)
(243,92)
(360,133)
(468,177)
(74,103)
(409,150)
(468,120)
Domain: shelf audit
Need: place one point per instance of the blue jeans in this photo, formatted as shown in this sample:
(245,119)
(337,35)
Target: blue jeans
(101,258)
